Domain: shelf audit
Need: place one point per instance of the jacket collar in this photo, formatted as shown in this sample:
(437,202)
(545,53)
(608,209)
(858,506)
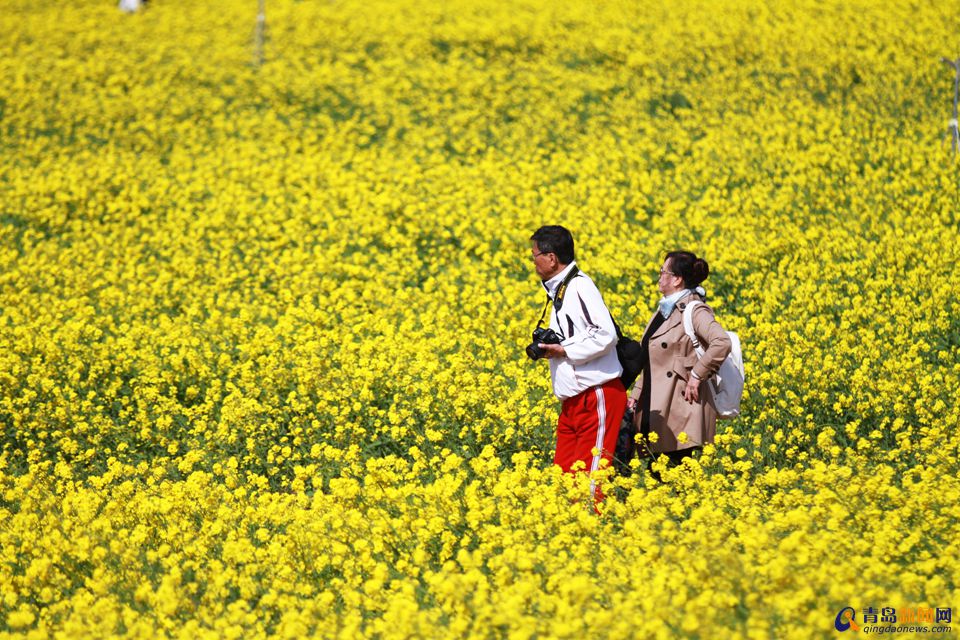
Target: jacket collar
(553,283)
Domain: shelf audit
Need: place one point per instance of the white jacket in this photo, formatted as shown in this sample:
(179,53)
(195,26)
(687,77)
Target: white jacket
(589,337)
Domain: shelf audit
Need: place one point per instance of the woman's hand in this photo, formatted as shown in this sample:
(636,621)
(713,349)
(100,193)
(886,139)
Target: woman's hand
(691,392)
(631,403)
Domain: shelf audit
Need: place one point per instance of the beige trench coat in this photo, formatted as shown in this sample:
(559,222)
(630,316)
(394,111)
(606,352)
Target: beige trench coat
(672,358)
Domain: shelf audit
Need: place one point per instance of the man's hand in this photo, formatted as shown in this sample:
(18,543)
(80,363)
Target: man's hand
(553,350)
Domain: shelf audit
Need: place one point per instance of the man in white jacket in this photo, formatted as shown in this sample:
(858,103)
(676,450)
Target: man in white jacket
(584,366)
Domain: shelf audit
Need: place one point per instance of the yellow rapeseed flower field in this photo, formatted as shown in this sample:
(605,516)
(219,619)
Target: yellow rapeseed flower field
(262,327)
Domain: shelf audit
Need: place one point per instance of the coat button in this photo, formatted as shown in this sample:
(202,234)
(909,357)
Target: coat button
(663,344)
(669,374)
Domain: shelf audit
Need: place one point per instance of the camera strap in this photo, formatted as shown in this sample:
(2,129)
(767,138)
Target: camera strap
(558,298)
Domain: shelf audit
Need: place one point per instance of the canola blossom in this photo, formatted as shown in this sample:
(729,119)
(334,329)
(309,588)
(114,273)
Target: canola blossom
(262,327)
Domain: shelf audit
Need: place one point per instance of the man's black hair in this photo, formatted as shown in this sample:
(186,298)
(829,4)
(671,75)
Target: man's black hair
(553,238)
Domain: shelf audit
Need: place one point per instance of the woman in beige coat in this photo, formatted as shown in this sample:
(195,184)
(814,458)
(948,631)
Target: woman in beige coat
(669,398)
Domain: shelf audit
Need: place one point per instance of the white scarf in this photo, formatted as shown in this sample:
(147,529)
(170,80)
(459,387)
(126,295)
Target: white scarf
(668,303)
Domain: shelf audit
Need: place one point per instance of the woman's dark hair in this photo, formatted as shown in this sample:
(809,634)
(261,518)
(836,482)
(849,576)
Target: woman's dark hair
(555,239)
(688,266)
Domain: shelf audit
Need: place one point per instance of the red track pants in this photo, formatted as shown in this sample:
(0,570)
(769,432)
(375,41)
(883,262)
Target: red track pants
(588,421)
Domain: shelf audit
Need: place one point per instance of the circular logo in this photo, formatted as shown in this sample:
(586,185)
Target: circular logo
(845,618)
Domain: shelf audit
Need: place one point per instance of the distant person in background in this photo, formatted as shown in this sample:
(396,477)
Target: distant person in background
(130,6)
(581,346)
(668,400)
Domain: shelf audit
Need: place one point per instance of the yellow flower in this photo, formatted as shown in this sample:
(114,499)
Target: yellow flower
(21,618)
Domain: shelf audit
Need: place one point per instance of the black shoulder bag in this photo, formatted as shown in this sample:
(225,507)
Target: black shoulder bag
(630,355)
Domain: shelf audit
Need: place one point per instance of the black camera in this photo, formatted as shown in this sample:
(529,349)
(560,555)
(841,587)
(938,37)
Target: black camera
(541,335)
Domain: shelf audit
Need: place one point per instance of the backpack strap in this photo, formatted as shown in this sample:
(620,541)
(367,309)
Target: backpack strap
(688,327)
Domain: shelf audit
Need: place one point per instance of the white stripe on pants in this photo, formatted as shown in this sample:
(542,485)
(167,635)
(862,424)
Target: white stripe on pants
(601,429)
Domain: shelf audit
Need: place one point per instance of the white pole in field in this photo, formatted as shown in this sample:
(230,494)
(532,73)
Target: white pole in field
(258,33)
(953,132)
